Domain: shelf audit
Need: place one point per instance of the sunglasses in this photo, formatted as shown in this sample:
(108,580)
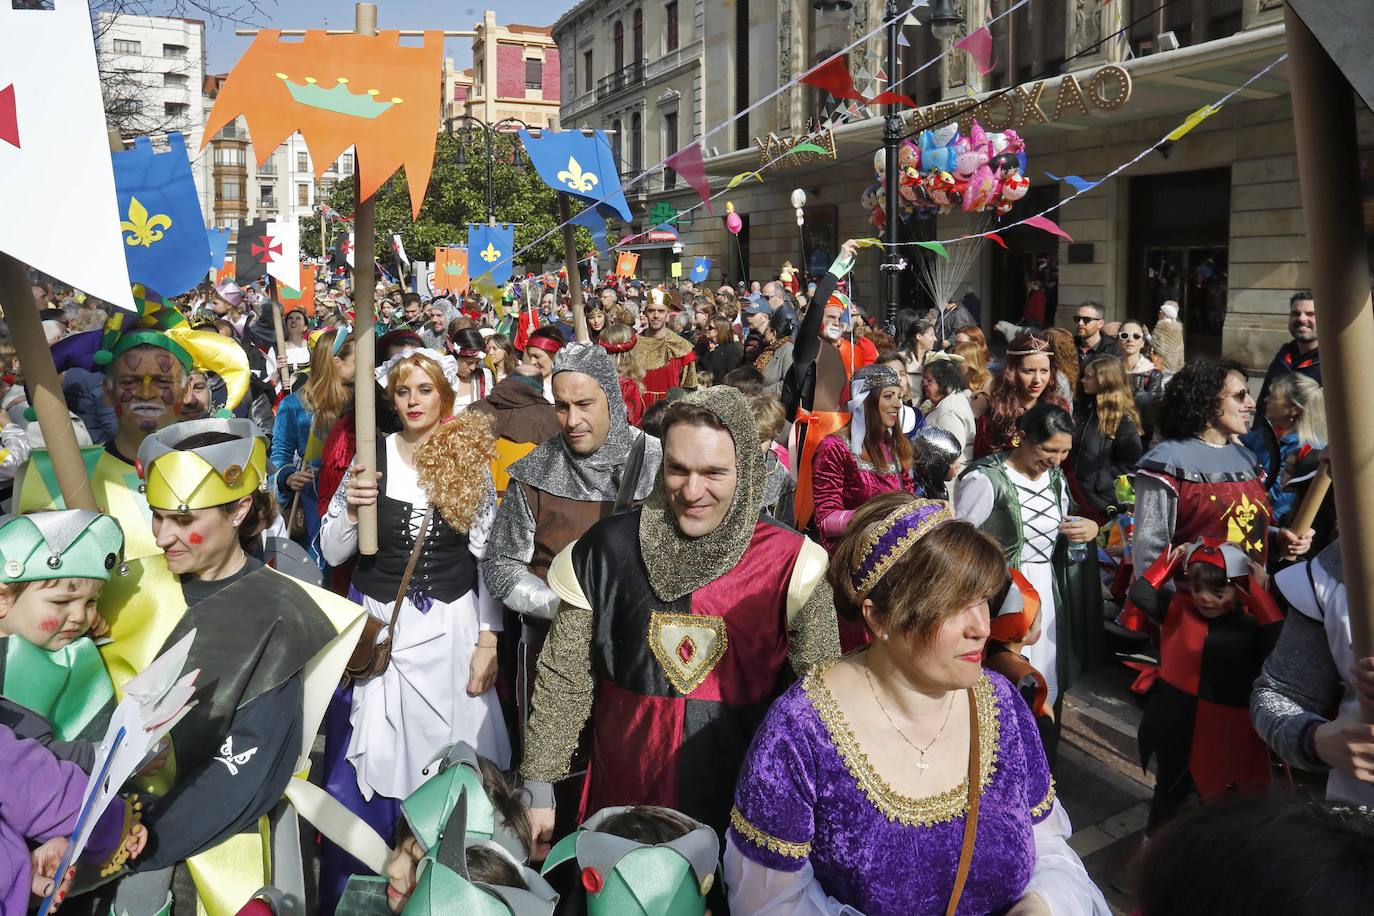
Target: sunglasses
(1085,319)
(1127,335)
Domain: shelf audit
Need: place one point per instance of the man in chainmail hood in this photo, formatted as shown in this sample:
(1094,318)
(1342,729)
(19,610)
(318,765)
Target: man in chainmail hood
(675,627)
(558,491)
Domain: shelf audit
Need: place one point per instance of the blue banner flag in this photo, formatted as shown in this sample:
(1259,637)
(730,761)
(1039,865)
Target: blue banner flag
(489,251)
(580,164)
(219,246)
(701,269)
(165,243)
(595,223)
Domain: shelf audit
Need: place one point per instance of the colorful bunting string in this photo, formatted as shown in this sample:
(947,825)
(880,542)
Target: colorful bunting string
(1078,184)
(978,44)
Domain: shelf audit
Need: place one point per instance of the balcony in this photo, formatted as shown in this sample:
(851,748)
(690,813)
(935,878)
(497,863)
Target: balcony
(626,77)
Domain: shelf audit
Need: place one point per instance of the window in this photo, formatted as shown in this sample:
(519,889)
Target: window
(229,155)
(303,194)
(618,143)
(346,164)
(175,109)
(742,72)
(230,189)
(178,51)
(175,80)
(587,78)
(639,36)
(265,198)
(636,143)
(669,147)
(302,162)
(618,42)
(670,14)
(124,46)
(534,74)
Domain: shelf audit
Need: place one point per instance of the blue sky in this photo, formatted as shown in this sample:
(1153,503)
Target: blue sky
(223,48)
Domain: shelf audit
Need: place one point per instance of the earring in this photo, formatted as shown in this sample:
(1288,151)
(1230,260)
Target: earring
(886,635)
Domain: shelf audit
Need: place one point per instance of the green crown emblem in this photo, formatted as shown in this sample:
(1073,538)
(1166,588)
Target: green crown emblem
(339,99)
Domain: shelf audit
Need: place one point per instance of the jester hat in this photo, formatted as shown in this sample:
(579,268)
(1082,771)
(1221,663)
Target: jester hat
(146,327)
(62,544)
(211,475)
(444,885)
(457,771)
(624,877)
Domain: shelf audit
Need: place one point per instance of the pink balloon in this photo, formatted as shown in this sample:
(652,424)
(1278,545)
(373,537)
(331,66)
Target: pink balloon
(733,222)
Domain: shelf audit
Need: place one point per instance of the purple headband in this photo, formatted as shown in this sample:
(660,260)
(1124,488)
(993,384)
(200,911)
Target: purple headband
(891,538)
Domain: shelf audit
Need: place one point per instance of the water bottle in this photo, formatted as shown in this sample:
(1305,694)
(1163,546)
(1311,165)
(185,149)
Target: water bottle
(1077,552)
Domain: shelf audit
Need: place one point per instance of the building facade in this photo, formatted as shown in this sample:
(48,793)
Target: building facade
(637,70)
(514,74)
(151,70)
(1213,221)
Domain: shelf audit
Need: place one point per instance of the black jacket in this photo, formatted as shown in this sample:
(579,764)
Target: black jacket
(1097,460)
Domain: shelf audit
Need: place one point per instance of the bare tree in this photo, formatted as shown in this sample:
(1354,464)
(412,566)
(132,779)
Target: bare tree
(128,87)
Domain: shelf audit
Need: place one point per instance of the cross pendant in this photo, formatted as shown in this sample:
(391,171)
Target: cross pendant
(921,763)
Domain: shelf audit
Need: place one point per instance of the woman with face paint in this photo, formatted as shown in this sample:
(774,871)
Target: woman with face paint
(1021,497)
(273,648)
(434,487)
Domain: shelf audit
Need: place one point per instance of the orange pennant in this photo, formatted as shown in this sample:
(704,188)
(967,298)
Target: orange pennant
(303,296)
(364,91)
(626,263)
(451,270)
(226,272)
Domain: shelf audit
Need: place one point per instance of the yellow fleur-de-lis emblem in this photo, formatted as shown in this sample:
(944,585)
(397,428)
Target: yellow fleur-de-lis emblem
(143,229)
(490,254)
(576,179)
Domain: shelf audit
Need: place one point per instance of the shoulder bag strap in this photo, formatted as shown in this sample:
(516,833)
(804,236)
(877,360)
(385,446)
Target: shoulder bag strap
(629,481)
(975,792)
(410,571)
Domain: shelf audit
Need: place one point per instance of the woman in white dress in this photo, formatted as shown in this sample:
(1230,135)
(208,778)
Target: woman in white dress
(1022,499)
(438,687)
(474,379)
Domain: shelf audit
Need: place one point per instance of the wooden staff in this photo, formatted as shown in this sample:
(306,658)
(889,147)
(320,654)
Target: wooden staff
(279,329)
(574,280)
(1311,502)
(1327,142)
(365,320)
(40,373)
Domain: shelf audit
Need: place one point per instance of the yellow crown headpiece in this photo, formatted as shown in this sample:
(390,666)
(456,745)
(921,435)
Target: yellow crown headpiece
(179,479)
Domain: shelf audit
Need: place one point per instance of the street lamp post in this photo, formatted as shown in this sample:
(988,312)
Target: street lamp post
(474,129)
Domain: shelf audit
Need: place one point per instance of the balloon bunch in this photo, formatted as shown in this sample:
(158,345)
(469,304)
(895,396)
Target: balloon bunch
(945,169)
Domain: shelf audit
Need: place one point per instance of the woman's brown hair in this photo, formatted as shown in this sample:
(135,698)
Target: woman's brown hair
(324,394)
(722,331)
(949,568)
(880,442)
(1065,357)
(1114,399)
(627,364)
(975,364)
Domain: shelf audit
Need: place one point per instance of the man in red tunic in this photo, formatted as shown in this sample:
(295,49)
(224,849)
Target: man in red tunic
(668,359)
(677,627)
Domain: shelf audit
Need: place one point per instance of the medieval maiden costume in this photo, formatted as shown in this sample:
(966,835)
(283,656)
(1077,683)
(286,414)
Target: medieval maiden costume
(383,731)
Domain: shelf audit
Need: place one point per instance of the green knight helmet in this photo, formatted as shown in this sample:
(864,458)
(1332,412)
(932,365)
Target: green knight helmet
(444,886)
(624,877)
(456,770)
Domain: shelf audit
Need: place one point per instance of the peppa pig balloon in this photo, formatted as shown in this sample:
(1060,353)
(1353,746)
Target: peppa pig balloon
(970,153)
(981,190)
(732,220)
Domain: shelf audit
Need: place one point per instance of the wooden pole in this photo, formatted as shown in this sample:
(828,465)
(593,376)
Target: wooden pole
(365,320)
(40,374)
(574,278)
(1311,501)
(277,327)
(1324,123)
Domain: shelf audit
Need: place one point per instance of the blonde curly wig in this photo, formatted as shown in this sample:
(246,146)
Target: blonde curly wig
(452,466)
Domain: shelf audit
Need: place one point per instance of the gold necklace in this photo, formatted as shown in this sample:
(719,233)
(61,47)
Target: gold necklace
(921,762)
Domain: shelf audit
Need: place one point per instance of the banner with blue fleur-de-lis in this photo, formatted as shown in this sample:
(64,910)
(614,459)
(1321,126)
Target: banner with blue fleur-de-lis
(165,243)
(580,164)
(489,251)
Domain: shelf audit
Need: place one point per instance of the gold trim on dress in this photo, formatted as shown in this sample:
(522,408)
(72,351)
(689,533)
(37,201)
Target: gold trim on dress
(1045,805)
(767,840)
(911,812)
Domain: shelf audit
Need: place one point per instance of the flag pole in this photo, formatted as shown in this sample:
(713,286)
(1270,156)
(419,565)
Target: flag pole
(364,333)
(279,330)
(574,280)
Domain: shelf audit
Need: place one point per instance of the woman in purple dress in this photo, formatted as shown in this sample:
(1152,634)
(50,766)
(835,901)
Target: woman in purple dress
(856,793)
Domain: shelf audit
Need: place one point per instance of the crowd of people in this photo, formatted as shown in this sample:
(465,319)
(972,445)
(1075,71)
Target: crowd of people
(741,600)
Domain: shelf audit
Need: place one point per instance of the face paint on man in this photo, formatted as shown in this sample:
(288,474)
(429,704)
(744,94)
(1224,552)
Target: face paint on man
(146,391)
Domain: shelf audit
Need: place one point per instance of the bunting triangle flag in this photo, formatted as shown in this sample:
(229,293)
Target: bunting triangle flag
(687,162)
(54,150)
(833,76)
(902,40)
(595,223)
(219,246)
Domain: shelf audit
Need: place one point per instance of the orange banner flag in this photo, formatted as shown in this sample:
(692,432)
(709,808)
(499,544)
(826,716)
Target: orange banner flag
(364,91)
(226,272)
(626,263)
(303,296)
(451,270)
